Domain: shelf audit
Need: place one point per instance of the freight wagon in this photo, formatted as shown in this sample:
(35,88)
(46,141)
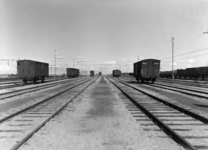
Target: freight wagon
(180,73)
(203,72)
(29,70)
(168,74)
(92,73)
(147,70)
(191,73)
(116,73)
(72,72)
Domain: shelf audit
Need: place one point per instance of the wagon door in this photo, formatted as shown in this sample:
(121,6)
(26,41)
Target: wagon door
(42,69)
(150,68)
(31,69)
(144,68)
(156,68)
(20,69)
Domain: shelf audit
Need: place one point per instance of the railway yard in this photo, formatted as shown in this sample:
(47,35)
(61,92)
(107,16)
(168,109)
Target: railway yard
(104,75)
(103,112)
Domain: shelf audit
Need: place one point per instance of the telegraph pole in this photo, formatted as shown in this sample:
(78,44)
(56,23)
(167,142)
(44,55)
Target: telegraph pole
(172,40)
(55,63)
(73,63)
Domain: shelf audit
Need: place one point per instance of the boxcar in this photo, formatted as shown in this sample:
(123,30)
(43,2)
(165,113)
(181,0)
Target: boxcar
(92,73)
(29,70)
(147,70)
(72,72)
(116,73)
(168,74)
(191,73)
(180,73)
(203,72)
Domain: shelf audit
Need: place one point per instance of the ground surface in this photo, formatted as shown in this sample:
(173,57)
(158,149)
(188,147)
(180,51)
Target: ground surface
(97,120)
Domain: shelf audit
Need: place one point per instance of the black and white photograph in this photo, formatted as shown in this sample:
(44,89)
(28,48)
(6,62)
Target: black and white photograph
(103,74)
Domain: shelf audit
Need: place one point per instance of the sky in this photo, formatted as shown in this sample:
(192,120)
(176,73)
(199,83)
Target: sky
(103,35)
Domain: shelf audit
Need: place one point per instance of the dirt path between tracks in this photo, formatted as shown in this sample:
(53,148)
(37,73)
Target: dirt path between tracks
(96,120)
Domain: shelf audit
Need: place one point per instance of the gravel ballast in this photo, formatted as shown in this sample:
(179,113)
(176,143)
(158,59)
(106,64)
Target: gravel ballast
(97,120)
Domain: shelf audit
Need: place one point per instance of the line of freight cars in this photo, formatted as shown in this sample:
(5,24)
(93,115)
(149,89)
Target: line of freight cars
(197,72)
(147,70)
(29,70)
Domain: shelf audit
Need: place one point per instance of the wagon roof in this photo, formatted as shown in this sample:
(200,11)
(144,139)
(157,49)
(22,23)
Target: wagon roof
(73,68)
(146,60)
(33,61)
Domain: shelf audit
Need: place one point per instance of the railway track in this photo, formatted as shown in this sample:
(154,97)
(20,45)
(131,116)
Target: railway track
(19,126)
(6,85)
(185,127)
(194,92)
(187,83)
(33,89)
(197,92)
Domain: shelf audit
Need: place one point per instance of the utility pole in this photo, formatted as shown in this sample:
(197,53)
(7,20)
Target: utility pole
(73,63)
(55,63)
(51,70)
(172,40)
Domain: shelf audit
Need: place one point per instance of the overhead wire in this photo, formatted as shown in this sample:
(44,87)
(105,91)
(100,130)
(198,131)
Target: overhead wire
(186,53)
(181,46)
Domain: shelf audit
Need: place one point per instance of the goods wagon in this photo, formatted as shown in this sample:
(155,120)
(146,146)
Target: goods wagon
(180,73)
(72,72)
(168,74)
(191,73)
(116,73)
(197,72)
(147,70)
(124,74)
(92,73)
(29,70)
(203,72)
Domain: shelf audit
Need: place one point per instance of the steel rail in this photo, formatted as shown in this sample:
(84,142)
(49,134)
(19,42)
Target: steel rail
(184,92)
(192,114)
(182,87)
(20,143)
(34,89)
(20,81)
(184,80)
(177,138)
(202,85)
(34,105)
(58,81)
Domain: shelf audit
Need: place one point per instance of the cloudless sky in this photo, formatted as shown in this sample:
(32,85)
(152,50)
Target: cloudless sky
(103,32)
